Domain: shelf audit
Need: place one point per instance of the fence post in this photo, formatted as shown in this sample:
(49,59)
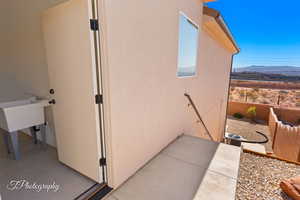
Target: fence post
(274,136)
(298,159)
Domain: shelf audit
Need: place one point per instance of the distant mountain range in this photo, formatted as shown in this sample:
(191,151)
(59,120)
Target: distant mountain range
(283,70)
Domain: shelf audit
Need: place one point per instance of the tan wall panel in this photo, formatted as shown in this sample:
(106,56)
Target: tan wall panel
(288,114)
(148,108)
(262,110)
(287,142)
(291,115)
(272,123)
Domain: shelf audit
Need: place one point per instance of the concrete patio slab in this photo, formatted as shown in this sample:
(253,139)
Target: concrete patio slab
(221,177)
(163,178)
(178,171)
(216,187)
(226,160)
(192,150)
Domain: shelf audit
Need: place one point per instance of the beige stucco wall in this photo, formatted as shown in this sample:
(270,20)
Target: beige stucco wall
(291,115)
(23,66)
(211,89)
(287,142)
(286,139)
(146,102)
(6,75)
(273,123)
(147,106)
(262,110)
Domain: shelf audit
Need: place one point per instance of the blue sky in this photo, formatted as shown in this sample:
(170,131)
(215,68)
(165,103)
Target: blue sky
(268,32)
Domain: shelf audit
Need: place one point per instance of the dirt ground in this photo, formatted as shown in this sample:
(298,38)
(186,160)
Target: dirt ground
(281,85)
(284,98)
(247,129)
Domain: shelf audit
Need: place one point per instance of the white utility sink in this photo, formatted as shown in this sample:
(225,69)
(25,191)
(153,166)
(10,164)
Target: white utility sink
(22,114)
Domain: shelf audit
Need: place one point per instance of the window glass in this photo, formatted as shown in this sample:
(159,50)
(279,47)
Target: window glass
(188,46)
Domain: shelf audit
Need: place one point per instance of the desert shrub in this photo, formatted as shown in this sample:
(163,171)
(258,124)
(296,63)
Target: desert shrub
(238,115)
(282,97)
(242,93)
(252,95)
(256,89)
(264,94)
(265,102)
(252,112)
(249,92)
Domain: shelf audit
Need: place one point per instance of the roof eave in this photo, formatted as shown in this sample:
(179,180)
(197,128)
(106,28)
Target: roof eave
(206,1)
(219,19)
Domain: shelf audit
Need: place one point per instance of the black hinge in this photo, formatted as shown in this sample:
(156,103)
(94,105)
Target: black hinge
(94,24)
(99,99)
(102,161)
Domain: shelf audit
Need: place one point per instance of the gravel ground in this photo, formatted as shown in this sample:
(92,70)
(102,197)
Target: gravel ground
(259,177)
(247,129)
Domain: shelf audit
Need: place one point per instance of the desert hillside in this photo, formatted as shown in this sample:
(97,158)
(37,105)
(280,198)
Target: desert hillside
(283,70)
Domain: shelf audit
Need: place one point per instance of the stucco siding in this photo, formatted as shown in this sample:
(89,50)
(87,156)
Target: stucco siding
(212,89)
(147,106)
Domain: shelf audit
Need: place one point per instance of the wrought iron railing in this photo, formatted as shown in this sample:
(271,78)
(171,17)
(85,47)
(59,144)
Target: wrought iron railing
(198,115)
